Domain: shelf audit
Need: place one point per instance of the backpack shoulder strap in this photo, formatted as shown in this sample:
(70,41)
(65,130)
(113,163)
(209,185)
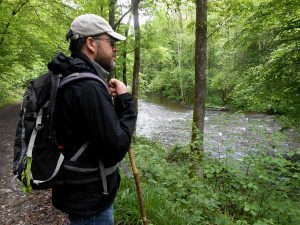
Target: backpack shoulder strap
(79,76)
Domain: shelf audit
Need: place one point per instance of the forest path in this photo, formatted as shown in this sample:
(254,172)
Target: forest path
(16,207)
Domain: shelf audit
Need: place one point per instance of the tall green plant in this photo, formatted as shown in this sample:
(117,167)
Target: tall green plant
(262,188)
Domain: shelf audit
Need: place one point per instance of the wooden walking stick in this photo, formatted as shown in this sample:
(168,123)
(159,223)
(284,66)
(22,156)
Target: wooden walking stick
(138,186)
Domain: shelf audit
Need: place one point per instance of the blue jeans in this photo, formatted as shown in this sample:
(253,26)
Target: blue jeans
(105,217)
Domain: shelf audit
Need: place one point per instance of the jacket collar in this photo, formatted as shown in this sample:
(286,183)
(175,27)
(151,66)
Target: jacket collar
(99,70)
(79,62)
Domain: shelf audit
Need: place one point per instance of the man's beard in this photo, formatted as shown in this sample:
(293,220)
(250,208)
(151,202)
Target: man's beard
(109,67)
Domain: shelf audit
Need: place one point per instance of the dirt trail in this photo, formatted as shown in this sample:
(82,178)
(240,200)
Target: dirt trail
(16,207)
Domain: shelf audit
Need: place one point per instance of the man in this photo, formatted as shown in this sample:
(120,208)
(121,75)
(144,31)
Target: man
(86,114)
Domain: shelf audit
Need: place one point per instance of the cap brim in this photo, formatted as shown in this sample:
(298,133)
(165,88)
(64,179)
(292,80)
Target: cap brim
(116,36)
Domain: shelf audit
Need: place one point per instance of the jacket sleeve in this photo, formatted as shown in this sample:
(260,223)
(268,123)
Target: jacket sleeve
(110,127)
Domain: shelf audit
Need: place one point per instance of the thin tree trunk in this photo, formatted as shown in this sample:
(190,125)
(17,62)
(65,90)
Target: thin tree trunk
(111,21)
(125,50)
(135,87)
(137,51)
(101,9)
(179,49)
(111,13)
(200,75)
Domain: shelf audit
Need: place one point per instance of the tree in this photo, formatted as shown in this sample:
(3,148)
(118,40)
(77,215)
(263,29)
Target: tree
(30,34)
(168,51)
(269,62)
(124,53)
(137,51)
(111,19)
(200,75)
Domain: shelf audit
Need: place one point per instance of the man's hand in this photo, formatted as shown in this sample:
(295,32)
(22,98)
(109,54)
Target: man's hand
(117,87)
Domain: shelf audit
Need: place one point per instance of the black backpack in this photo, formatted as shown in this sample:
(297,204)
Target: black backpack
(37,156)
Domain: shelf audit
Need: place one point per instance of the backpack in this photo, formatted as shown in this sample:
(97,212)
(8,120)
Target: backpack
(38,159)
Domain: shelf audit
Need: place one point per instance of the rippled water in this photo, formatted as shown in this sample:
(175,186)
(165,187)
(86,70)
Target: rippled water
(225,132)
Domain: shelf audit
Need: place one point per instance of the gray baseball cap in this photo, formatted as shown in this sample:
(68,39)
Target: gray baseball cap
(91,25)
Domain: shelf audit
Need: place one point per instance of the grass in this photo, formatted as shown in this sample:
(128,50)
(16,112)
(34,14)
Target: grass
(217,193)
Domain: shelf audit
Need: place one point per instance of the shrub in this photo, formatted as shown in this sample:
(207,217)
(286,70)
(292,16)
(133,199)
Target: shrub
(259,189)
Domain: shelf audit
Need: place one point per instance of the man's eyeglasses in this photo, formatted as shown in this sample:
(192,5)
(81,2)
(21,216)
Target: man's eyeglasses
(112,42)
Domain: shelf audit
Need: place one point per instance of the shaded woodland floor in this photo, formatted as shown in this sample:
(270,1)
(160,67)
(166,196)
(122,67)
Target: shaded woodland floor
(16,207)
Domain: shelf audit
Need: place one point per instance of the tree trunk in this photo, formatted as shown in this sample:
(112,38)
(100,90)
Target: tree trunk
(137,51)
(179,49)
(111,21)
(125,50)
(111,14)
(200,75)
(101,10)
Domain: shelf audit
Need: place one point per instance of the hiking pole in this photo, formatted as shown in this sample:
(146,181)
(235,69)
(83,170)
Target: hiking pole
(138,186)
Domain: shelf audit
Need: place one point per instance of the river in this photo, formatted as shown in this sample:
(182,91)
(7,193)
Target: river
(225,133)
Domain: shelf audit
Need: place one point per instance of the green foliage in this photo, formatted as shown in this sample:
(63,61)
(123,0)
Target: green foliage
(267,50)
(158,209)
(253,64)
(167,83)
(31,33)
(253,54)
(253,49)
(168,57)
(262,188)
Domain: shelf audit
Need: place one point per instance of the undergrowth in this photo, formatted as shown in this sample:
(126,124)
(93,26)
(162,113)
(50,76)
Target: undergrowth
(261,189)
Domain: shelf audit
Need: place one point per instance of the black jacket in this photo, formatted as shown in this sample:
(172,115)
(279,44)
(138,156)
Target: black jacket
(86,113)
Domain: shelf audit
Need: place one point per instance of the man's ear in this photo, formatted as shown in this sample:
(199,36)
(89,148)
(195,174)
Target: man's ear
(90,45)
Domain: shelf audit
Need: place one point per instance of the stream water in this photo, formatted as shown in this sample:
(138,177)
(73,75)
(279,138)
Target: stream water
(225,133)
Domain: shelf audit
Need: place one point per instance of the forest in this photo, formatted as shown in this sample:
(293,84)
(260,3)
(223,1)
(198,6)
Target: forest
(252,54)
(252,66)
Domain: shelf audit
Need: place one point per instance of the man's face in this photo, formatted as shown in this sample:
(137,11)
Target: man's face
(105,51)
